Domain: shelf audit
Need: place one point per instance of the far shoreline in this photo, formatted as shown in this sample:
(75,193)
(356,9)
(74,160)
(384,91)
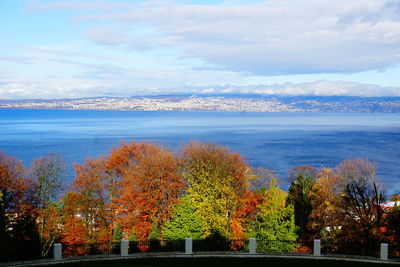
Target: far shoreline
(211,103)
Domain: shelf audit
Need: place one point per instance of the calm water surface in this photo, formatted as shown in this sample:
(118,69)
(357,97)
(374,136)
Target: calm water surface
(278,141)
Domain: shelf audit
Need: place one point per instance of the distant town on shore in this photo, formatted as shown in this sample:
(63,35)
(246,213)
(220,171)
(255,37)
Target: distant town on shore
(223,103)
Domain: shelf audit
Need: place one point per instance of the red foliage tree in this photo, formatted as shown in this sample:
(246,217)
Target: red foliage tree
(18,203)
(74,229)
(150,186)
(90,184)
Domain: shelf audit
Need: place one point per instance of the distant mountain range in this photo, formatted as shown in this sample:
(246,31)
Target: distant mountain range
(228,102)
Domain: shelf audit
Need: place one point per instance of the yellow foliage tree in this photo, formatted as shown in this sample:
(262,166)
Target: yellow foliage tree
(217,183)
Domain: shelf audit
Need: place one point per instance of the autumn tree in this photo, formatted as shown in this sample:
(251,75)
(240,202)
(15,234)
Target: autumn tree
(92,198)
(50,231)
(261,179)
(4,235)
(347,210)
(18,204)
(48,172)
(304,170)
(73,231)
(118,165)
(302,181)
(150,187)
(218,184)
(363,199)
(393,227)
(327,207)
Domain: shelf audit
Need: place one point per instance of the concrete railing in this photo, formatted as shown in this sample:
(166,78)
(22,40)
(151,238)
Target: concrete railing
(57,252)
(124,247)
(384,251)
(317,247)
(252,245)
(188,245)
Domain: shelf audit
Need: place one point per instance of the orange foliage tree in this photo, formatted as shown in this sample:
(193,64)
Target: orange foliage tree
(86,219)
(18,204)
(150,186)
(73,231)
(92,198)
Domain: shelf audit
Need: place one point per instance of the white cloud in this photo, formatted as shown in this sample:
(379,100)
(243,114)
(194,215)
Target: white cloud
(328,88)
(268,38)
(317,88)
(76,6)
(84,86)
(156,47)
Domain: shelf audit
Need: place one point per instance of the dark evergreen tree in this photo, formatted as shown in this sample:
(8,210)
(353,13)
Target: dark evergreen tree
(298,196)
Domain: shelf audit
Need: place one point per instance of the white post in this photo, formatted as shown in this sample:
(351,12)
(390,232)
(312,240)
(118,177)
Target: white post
(317,247)
(252,246)
(384,251)
(57,252)
(124,247)
(188,245)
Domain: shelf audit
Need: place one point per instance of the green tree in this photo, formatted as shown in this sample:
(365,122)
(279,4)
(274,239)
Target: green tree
(118,234)
(155,231)
(274,227)
(132,236)
(184,222)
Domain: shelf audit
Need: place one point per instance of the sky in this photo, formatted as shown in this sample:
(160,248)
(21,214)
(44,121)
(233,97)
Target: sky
(82,48)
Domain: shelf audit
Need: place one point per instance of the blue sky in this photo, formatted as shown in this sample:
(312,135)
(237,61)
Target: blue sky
(57,49)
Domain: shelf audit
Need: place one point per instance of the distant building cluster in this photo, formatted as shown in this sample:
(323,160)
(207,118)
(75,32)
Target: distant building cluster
(158,103)
(212,103)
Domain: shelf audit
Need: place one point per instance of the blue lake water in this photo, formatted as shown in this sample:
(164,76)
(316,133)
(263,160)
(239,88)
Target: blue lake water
(278,141)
